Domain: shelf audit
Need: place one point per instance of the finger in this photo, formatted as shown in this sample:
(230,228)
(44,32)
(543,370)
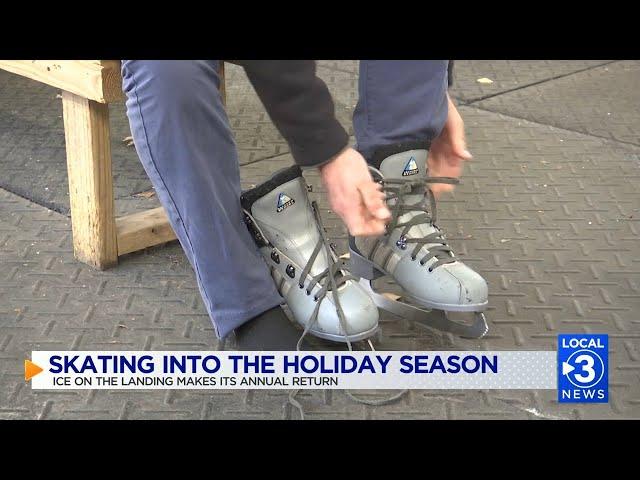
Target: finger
(458,151)
(434,165)
(372,227)
(353,216)
(452,167)
(439,188)
(459,141)
(373,200)
(454,171)
(360,222)
(354,224)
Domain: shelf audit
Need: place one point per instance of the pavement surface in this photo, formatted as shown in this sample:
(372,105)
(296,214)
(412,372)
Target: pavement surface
(548,212)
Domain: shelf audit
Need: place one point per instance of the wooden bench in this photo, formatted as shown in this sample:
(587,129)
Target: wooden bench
(88,86)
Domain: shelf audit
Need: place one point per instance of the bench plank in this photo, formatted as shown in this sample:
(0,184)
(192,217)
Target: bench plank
(97,80)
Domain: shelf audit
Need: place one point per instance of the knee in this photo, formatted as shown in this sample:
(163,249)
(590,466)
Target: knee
(175,81)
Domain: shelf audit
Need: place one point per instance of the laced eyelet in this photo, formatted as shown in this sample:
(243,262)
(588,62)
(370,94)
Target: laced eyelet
(308,292)
(430,269)
(301,286)
(291,271)
(315,299)
(413,259)
(401,243)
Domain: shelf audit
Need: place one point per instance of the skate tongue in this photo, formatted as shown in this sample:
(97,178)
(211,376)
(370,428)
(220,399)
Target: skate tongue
(286,218)
(411,166)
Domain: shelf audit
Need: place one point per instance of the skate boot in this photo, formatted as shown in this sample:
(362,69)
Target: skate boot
(414,251)
(316,285)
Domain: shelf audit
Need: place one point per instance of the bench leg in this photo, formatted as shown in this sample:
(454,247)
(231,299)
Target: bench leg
(86,127)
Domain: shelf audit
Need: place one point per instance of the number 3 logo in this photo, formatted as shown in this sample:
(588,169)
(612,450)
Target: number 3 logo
(589,368)
(587,362)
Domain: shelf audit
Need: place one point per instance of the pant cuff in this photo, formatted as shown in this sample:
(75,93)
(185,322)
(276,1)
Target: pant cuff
(227,323)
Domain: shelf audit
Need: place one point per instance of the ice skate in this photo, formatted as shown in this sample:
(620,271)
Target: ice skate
(316,285)
(414,251)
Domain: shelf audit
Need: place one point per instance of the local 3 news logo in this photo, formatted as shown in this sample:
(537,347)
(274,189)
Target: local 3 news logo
(583,362)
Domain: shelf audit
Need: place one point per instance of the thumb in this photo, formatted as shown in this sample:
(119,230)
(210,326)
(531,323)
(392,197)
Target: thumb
(458,141)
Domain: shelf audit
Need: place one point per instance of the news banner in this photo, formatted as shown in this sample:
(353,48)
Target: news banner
(578,369)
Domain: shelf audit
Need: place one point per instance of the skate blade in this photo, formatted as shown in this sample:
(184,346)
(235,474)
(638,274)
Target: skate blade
(343,338)
(429,317)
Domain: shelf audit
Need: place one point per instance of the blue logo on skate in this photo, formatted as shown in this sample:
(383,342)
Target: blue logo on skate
(411,168)
(284,201)
(583,362)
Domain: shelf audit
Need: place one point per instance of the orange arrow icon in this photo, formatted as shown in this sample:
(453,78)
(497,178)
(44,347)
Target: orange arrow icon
(30,370)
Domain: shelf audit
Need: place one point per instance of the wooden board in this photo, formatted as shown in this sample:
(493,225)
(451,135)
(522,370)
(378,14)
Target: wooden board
(143,229)
(86,128)
(98,237)
(98,80)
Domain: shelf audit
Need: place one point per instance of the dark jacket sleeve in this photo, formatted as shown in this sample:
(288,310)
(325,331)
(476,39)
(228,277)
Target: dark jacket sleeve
(300,106)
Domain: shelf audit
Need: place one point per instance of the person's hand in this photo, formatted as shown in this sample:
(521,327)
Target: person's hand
(353,194)
(448,151)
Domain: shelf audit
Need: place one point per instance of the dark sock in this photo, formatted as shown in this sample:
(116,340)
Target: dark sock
(271,330)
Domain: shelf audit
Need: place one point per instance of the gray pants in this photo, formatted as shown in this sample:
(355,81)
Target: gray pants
(183,138)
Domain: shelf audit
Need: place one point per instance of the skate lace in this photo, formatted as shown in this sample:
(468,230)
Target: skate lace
(396,189)
(335,268)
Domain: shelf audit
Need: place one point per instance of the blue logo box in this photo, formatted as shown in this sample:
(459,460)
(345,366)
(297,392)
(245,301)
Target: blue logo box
(583,368)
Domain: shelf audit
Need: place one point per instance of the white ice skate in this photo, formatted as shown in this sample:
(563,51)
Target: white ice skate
(414,252)
(316,285)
